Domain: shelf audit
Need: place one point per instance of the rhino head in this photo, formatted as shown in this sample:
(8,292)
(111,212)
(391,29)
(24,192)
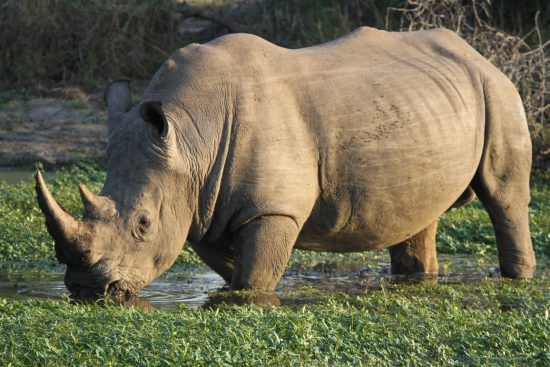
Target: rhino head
(131,232)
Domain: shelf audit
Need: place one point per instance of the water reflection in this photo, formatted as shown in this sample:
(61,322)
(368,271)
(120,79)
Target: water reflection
(197,286)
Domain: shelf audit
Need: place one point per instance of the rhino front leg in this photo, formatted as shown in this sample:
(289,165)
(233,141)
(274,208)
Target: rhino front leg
(417,255)
(222,262)
(264,247)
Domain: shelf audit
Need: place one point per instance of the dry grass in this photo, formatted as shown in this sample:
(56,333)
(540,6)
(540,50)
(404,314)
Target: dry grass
(79,41)
(54,42)
(524,63)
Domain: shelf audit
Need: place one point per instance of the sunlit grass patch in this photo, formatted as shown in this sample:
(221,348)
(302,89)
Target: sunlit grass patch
(503,323)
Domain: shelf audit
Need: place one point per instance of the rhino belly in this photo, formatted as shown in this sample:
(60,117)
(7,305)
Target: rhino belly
(379,192)
(378,217)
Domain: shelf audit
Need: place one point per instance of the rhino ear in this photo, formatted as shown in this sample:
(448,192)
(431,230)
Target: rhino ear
(118,97)
(152,113)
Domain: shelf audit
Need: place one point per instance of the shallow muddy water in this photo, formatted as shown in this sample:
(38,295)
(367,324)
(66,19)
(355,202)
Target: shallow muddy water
(16,175)
(196,286)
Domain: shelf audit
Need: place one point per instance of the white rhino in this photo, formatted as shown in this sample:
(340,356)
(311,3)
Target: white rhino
(249,150)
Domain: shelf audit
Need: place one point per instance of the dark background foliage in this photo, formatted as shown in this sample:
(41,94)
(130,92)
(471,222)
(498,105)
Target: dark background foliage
(79,41)
(46,43)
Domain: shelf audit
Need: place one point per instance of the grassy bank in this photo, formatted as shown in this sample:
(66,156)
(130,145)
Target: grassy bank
(487,324)
(492,322)
(23,236)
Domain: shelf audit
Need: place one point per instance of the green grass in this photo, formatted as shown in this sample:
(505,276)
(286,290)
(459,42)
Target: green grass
(468,230)
(23,237)
(502,324)
(495,322)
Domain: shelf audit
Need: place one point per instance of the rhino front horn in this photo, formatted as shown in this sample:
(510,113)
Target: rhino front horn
(62,226)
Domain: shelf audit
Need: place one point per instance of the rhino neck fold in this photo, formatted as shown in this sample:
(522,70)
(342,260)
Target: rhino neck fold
(202,109)
(210,187)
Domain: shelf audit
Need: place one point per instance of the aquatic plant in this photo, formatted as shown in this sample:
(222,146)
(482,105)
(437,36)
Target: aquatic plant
(479,324)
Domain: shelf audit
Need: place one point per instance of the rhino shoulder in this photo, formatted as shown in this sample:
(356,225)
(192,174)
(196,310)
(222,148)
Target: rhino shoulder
(438,38)
(224,52)
(235,40)
(195,53)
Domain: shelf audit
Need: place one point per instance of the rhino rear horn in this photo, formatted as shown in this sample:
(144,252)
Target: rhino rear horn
(95,206)
(89,200)
(118,97)
(62,226)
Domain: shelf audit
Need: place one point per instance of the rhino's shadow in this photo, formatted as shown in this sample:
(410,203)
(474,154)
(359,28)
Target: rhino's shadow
(229,298)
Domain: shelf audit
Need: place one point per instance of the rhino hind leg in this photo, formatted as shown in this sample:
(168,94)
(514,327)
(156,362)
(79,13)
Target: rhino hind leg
(508,210)
(264,246)
(502,181)
(417,255)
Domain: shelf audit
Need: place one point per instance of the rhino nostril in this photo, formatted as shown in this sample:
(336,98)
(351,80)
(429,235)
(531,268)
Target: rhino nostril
(111,287)
(115,290)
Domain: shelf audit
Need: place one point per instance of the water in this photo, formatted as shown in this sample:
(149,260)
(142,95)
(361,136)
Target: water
(190,286)
(15,175)
(197,286)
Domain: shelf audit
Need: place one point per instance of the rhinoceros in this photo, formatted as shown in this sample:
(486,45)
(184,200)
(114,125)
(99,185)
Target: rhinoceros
(248,150)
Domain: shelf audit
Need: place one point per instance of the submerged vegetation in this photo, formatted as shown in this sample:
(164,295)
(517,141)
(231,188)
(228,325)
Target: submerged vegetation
(486,324)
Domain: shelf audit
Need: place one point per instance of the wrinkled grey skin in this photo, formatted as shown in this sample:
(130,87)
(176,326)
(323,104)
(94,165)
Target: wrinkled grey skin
(249,150)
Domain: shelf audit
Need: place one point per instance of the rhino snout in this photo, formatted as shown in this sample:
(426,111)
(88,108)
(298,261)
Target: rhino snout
(119,289)
(87,285)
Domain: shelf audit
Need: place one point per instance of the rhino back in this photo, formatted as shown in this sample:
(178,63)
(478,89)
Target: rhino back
(364,140)
(403,124)
(367,139)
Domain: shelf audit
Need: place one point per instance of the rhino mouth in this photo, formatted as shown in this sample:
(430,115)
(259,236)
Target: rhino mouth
(117,290)
(86,294)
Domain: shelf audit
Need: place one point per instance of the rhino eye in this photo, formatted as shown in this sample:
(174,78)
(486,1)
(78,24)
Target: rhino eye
(143,223)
